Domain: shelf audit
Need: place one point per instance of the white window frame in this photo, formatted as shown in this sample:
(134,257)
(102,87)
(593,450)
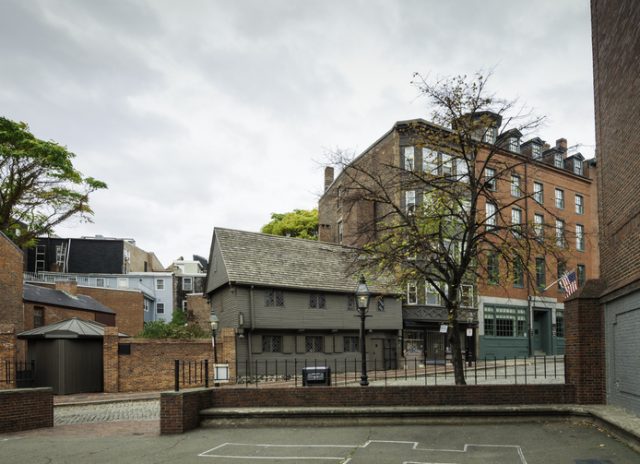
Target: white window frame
(489,135)
(538,225)
(558,160)
(559,197)
(429,293)
(410,201)
(514,144)
(577,167)
(185,287)
(491,219)
(447,164)
(462,170)
(466,288)
(412,293)
(580,237)
(491,183)
(409,159)
(159,284)
(579,202)
(538,192)
(516,190)
(560,226)
(536,151)
(429,161)
(516,220)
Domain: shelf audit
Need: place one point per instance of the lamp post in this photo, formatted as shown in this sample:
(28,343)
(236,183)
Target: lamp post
(362,302)
(214,322)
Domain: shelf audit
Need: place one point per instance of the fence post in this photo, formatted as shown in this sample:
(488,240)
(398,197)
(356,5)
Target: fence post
(176,370)
(206,372)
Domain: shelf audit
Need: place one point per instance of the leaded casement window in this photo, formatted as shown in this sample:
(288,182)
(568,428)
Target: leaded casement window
(493,268)
(273,298)
(351,344)
(559,198)
(559,323)
(430,161)
(538,192)
(579,237)
(560,233)
(581,271)
(561,269)
(272,343)
(504,321)
(579,204)
(409,159)
(313,344)
(187,284)
(516,191)
(538,226)
(351,303)
(380,303)
(466,296)
(541,273)
(558,160)
(491,214)
(412,293)
(410,201)
(317,301)
(518,273)
(577,167)
(432,297)
(490,181)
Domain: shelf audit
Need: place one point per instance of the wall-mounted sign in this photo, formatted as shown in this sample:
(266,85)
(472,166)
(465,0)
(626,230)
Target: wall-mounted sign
(443,328)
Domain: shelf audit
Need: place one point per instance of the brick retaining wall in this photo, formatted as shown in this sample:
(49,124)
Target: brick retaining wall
(26,409)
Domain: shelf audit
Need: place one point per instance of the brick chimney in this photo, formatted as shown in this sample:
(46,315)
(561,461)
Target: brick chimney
(561,144)
(69,286)
(328,177)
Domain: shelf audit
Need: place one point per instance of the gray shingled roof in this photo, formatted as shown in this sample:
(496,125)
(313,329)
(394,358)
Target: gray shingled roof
(69,328)
(265,260)
(49,296)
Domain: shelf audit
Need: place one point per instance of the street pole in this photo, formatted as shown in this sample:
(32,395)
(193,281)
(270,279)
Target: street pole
(364,379)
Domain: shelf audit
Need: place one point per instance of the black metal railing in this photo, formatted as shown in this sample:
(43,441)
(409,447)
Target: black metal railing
(191,374)
(20,373)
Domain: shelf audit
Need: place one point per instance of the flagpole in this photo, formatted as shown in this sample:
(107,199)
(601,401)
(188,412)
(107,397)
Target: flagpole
(557,280)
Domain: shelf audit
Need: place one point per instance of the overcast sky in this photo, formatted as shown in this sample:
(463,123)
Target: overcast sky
(217,113)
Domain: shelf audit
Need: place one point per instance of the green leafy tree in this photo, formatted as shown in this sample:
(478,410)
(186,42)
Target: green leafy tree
(178,328)
(300,223)
(39,187)
(440,225)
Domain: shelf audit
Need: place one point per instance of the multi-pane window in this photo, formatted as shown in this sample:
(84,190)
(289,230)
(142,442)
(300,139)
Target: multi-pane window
(432,297)
(514,144)
(490,179)
(447,165)
(505,322)
(317,301)
(493,268)
(351,344)
(351,303)
(380,303)
(159,284)
(538,225)
(559,198)
(60,255)
(536,151)
(558,160)
(273,297)
(538,192)
(581,270)
(430,161)
(518,273)
(412,293)
(410,201)
(579,237)
(579,204)
(515,185)
(541,277)
(561,268)
(100,282)
(187,284)
(313,344)
(466,296)
(560,233)
(516,220)
(559,323)
(577,167)
(462,170)
(490,135)
(272,343)
(490,211)
(38,317)
(409,159)
(160,308)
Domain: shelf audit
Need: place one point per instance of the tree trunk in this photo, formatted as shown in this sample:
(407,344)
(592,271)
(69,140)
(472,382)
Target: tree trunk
(453,336)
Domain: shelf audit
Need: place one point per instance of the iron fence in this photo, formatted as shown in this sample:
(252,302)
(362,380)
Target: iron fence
(191,374)
(20,373)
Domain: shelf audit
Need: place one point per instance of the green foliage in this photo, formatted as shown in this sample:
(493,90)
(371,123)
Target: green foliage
(178,328)
(300,223)
(39,187)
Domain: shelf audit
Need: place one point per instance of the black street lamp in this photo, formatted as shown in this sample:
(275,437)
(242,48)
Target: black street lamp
(362,302)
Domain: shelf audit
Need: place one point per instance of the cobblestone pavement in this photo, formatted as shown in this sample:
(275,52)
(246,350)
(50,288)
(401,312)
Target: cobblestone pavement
(108,412)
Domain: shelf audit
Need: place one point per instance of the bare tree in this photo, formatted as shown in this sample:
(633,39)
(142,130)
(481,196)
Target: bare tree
(434,212)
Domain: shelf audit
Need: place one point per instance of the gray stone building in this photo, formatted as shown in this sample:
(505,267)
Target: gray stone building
(293,299)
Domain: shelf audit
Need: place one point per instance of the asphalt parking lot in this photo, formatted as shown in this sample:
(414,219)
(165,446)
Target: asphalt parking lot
(558,441)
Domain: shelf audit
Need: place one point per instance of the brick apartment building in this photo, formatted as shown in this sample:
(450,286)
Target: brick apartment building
(501,314)
(11,263)
(616,67)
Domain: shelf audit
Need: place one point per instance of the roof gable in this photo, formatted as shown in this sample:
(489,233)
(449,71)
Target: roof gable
(49,296)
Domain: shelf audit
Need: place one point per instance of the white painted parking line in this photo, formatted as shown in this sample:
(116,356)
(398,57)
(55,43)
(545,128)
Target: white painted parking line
(339,454)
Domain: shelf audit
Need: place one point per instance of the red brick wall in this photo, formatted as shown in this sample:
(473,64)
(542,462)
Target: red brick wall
(25,409)
(54,314)
(179,410)
(128,306)
(585,344)
(11,266)
(8,356)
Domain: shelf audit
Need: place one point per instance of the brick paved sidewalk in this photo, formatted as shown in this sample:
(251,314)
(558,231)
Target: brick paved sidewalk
(89,398)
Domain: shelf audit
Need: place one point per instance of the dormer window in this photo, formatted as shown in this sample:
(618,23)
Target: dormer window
(490,135)
(577,167)
(514,144)
(536,151)
(558,161)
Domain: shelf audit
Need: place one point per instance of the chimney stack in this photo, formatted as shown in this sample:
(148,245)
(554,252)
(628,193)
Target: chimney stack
(68,286)
(561,144)
(328,177)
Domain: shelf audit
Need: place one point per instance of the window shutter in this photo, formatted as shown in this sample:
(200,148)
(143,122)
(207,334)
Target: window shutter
(256,344)
(288,342)
(300,344)
(328,344)
(338,343)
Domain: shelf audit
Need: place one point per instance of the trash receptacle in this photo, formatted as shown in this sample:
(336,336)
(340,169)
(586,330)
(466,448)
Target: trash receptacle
(316,375)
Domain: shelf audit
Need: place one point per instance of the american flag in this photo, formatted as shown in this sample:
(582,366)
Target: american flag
(569,282)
